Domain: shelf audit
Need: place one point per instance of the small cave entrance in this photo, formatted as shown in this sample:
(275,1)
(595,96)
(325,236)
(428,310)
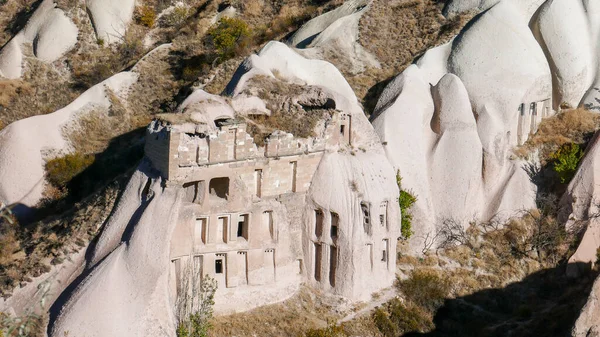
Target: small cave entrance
(219,187)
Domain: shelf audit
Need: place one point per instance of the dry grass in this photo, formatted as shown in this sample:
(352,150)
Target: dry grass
(253,8)
(286,114)
(575,126)
(396,32)
(13,17)
(93,66)
(305,310)
(41,91)
(53,240)
(520,261)
(10,89)
(97,128)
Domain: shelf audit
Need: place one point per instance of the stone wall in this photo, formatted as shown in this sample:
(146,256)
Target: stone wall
(246,221)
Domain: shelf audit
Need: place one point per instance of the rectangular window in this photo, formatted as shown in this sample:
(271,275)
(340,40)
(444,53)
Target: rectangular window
(335,220)
(294,166)
(522,109)
(333,257)
(222,231)
(383,214)
(366,217)
(318,223)
(258,183)
(268,223)
(242,229)
(384,250)
(219,187)
(191,191)
(318,256)
(200,231)
(219,266)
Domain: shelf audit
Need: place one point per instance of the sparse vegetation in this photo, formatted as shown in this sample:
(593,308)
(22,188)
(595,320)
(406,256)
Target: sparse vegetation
(520,259)
(567,127)
(425,288)
(194,305)
(60,170)
(294,317)
(177,17)
(396,319)
(332,330)
(95,66)
(146,16)
(286,115)
(406,201)
(396,33)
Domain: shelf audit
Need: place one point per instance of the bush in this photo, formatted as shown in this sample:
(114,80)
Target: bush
(426,289)
(177,17)
(406,201)
(565,161)
(398,319)
(332,330)
(228,37)
(59,171)
(146,16)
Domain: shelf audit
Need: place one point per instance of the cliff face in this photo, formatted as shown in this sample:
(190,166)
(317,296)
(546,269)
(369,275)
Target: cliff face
(588,323)
(448,124)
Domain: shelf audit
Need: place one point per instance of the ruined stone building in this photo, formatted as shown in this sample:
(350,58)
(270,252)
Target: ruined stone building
(253,220)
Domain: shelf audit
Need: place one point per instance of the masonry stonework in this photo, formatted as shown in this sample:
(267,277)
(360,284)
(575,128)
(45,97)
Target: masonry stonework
(246,220)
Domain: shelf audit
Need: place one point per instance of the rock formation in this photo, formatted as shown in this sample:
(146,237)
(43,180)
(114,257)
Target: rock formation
(49,31)
(261,220)
(26,144)
(508,93)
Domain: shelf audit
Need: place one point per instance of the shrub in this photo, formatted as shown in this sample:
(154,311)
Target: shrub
(406,201)
(397,319)
(332,330)
(177,16)
(565,161)
(146,16)
(59,171)
(426,289)
(228,36)
(598,255)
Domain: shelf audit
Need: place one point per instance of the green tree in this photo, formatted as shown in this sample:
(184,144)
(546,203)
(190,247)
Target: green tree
(566,159)
(406,201)
(228,36)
